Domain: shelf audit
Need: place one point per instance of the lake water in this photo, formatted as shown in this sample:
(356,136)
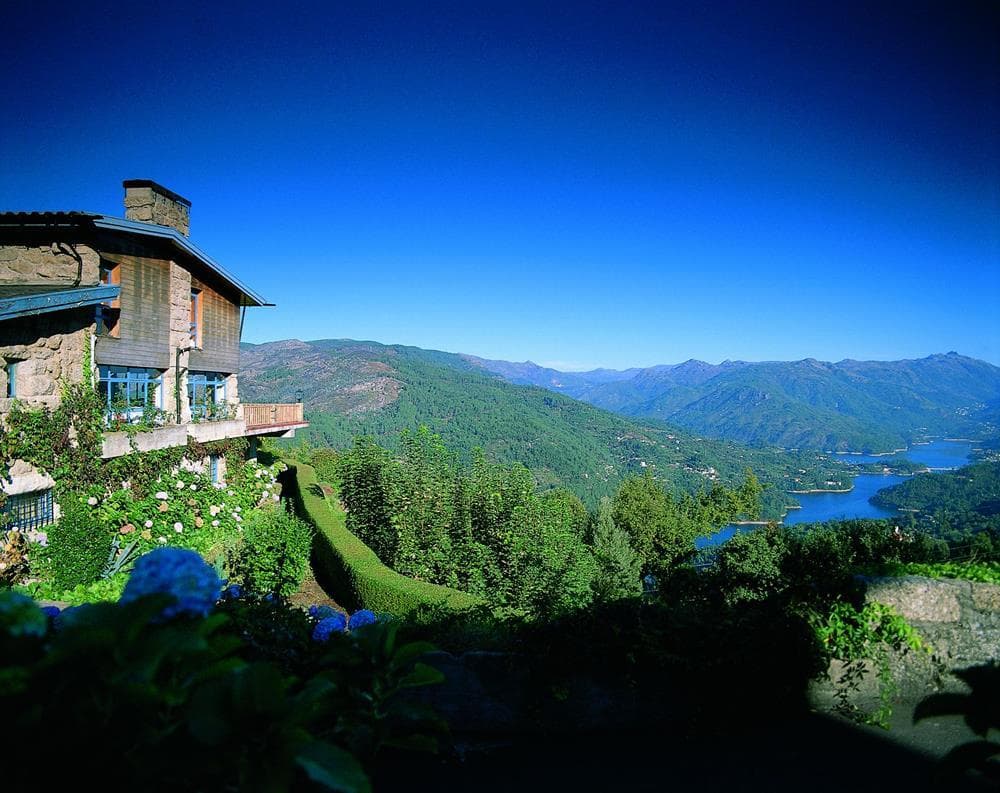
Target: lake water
(817,507)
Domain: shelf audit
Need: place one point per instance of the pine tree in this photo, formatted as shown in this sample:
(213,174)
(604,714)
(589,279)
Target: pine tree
(619,565)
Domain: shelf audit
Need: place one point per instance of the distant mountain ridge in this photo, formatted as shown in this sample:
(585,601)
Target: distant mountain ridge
(873,406)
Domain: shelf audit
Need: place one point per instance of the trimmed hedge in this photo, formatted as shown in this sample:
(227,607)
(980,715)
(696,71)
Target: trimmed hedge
(352,568)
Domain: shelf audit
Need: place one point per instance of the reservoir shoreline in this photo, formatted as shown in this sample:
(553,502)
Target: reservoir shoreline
(820,505)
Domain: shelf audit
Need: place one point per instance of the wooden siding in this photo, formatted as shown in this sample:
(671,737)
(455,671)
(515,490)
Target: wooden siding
(220,332)
(144,325)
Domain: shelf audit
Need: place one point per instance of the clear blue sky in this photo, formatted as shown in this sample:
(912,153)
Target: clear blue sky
(582,185)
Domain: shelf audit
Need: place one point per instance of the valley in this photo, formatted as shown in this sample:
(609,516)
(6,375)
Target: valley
(524,413)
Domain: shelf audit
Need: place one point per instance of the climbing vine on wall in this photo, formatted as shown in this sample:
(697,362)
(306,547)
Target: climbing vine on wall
(64,442)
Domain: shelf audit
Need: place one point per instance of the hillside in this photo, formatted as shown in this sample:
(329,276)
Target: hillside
(352,388)
(968,497)
(873,406)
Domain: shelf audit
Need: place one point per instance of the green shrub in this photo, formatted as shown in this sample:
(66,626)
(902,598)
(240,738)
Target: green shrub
(351,568)
(749,566)
(79,546)
(273,555)
(859,636)
(983,572)
(106,589)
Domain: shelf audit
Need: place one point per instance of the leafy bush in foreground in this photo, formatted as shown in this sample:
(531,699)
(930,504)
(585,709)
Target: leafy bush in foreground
(153,694)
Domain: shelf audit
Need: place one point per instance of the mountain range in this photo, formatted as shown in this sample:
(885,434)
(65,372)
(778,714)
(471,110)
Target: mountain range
(869,406)
(355,388)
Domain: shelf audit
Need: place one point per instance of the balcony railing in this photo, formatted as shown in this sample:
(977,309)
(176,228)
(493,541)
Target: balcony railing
(273,414)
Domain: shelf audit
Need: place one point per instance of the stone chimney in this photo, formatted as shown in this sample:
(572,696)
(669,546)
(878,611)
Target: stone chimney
(149,202)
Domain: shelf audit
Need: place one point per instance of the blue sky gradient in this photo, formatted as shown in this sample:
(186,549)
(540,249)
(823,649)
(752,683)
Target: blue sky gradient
(579,184)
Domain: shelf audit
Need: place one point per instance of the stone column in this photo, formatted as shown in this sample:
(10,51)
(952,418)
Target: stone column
(180,339)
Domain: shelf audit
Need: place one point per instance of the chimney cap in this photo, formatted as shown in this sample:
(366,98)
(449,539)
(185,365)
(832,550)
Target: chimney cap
(158,188)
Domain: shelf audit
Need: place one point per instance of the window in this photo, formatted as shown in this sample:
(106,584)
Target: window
(11,391)
(27,510)
(196,317)
(109,312)
(131,395)
(207,395)
(213,465)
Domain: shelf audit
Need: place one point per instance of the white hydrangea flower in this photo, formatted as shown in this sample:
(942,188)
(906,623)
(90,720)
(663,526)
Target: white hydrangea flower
(215,522)
(194,486)
(276,497)
(162,495)
(148,524)
(92,501)
(178,526)
(161,540)
(238,518)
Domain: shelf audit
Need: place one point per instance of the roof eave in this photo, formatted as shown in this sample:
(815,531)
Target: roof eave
(15,307)
(247,296)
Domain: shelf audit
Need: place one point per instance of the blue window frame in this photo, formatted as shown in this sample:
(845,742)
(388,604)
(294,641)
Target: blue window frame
(129,392)
(207,395)
(27,510)
(11,379)
(213,462)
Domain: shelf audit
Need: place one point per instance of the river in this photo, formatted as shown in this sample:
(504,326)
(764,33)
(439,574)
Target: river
(818,507)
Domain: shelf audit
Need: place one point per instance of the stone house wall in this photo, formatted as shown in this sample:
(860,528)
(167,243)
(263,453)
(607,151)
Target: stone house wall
(56,263)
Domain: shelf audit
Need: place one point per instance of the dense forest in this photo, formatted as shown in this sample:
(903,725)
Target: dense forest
(484,528)
(951,502)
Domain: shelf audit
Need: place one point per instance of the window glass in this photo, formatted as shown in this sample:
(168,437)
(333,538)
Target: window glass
(131,394)
(207,395)
(109,312)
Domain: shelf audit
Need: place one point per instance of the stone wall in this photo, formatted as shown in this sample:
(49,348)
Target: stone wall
(58,264)
(958,620)
(49,349)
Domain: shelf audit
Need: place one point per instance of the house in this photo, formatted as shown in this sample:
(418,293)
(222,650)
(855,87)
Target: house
(157,320)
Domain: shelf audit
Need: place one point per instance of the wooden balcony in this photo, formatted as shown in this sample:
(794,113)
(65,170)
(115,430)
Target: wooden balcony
(267,418)
(278,420)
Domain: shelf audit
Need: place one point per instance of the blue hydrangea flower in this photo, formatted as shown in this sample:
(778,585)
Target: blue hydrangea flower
(322,612)
(51,611)
(178,572)
(360,618)
(20,615)
(329,625)
(233,592)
